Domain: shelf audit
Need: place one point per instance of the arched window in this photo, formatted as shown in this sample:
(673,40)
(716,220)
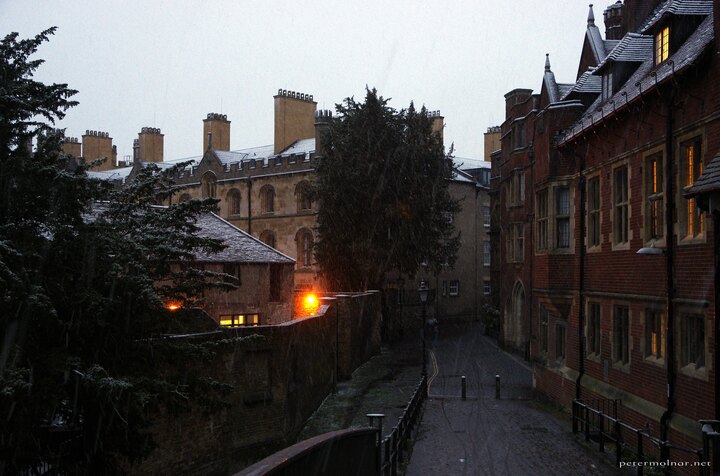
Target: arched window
(302,194)
(233,202)
(209,185)
(268,237)
(304,242)
(185,197)
(267,199)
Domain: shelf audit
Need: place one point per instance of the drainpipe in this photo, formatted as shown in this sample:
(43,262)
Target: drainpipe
(669,245)
(582,187)
(249,200)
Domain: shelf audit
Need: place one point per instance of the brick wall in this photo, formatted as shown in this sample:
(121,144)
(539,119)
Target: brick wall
(278,382)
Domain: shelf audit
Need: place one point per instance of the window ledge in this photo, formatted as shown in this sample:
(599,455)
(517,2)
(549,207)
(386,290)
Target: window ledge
(593,249)
(652,360)
(625,246)
(693,240)
(594,358)
(622,367)
(691,371)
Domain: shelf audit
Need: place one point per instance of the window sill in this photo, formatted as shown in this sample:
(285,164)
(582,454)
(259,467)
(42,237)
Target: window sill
(593,358)
(693,240)
(624,246)
(692,371)
(652,360)
(621,366)
(593,249)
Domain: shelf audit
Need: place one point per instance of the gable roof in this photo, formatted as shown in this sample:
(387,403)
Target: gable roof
(645,79)
(677,7)
(241,247)
(633,48)
(587,83)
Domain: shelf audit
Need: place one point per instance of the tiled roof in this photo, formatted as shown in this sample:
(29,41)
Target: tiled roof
(645,79)
(678,7)
(633,48)
(709,180)
(121,174)
(241,247)
(587,83)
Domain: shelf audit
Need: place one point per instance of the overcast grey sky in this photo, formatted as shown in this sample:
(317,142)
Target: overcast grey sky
(167,64)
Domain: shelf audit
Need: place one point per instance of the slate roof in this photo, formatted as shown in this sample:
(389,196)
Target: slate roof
(678,7)
(633,48)
(121,174)
(643,80)
(709,180)
(587,83)
(241,247)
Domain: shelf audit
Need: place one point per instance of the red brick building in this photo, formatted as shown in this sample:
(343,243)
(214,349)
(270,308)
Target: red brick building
(604,262)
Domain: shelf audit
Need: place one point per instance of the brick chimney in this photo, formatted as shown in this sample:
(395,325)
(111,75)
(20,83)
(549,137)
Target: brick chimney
(150,145)
(71,146)
(294,118)
(613,18)
(636,12)
(492,141)
(437,124)
(218,126)
(98,145)
(323,118)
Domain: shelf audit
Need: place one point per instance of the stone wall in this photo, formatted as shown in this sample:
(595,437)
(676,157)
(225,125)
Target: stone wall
(278,379)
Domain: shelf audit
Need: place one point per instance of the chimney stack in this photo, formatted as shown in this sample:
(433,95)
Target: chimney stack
(492,141)
(613,17)
(636,12)
(218,126)
(294,118)
(323,118)
(71,146)
(149,145)
(98,145)
(437,124)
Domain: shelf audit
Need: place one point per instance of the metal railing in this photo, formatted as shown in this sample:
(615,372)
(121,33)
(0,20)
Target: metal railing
(391,449)
(597,418)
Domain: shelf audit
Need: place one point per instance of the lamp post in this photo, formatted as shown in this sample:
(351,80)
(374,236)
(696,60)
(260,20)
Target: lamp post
(423,291)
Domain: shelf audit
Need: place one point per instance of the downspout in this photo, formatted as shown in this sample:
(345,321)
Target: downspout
(582,187)
(249,200)
(669,245)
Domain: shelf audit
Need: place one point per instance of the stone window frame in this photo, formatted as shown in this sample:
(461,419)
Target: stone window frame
(683,367)
(649,356)
(514,241)
(487,253)
(267,199)
(594,212)
(542,214)
(454,288)
(648,239)
(304,248)
(620,245)
(681,203)
(303,197)
(560,344)
(233,199)
(562,217)
(269,238)
(208,184)
(593,355)
(620,363)
(487,289)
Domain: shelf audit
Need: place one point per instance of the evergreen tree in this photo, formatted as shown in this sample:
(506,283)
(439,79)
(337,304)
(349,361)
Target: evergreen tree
(82,292)
(382,183)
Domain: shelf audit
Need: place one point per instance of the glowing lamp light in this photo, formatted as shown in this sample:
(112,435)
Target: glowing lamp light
(311,300)
(172,306)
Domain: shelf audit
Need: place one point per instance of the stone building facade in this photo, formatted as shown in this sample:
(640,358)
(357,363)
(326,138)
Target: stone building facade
(604,263)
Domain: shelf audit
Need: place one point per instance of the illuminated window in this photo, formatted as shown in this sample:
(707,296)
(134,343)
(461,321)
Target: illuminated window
(654,333)
(692,223)
(654,198)
(240,320)
(662,45)
(593,200)
(454,287)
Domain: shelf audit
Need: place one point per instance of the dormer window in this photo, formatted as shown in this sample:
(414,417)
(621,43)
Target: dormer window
(662,45)
(607,84)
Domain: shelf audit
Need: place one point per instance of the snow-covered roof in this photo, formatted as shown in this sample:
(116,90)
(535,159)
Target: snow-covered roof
(241,247)
(120,174)
(462,163)
(678,7)
(642,81)
(265,152)
(633,48)
(302,146)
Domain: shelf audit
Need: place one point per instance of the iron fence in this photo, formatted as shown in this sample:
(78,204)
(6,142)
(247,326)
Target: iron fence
(391,450)
(598,419)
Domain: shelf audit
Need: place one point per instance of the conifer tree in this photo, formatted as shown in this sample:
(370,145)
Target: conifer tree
(382,183)
(82,293)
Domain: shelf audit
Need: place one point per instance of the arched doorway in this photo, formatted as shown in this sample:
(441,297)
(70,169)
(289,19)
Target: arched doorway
(515,317)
